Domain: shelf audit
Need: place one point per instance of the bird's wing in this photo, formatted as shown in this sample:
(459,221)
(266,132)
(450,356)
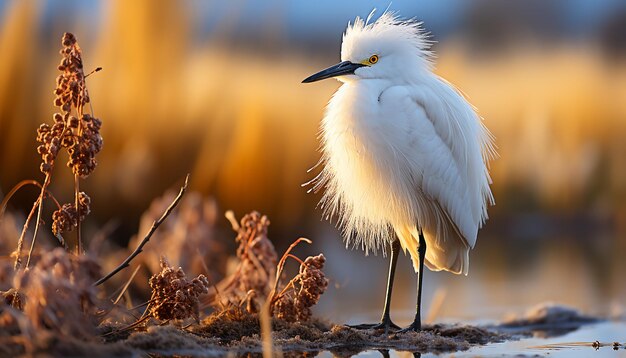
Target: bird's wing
(454,150)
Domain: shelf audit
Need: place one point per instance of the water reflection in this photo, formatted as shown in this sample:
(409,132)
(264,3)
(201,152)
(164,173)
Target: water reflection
(605,339)
(506,277)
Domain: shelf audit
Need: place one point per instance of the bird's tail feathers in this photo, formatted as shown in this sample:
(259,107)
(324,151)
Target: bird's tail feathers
(447,254)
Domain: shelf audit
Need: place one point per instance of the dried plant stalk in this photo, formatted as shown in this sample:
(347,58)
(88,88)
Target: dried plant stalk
(79,135)
(257,264)
(251,282)
(281,266)
(302,292)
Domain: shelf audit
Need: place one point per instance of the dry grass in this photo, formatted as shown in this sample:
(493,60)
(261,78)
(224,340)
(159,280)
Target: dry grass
(59,297)
(56,305)
(58,294)
(56,297)
(232,115)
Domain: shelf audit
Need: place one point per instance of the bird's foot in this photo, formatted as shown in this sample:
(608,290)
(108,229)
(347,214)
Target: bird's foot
(385,324)
(416,326)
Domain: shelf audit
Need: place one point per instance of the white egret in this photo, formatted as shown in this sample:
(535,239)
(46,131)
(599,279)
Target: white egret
(404,154)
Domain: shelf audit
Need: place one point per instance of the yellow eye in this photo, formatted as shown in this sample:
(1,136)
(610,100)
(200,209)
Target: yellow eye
(373,59)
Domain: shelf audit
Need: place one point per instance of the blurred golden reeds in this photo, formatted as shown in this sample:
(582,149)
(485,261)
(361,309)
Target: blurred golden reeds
(240,121)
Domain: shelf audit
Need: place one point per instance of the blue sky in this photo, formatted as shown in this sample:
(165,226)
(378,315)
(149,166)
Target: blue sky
(305,19)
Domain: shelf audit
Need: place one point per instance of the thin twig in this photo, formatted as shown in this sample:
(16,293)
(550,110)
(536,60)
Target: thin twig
(44,187)
(281,266)
(297,259)
(13,190)
(20,241)
(36,206)
(290,284)
(127,328)
(79,111)
(93,71)
(79,136)
(126,285)
(203,262)
(18,186)
(5,201)
(79,240)
(145,240)
(142,304)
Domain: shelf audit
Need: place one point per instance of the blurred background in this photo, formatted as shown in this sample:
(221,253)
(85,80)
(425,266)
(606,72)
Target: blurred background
(213,89)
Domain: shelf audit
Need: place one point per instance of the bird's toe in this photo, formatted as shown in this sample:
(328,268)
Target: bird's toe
(413,327)
(384,325)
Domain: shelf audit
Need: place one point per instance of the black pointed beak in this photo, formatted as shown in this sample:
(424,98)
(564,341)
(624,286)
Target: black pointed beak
(343,68)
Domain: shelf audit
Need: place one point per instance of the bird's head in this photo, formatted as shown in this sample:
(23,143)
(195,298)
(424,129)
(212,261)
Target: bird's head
(388,48)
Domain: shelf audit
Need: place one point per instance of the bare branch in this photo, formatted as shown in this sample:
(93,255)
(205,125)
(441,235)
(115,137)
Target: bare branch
(145,240)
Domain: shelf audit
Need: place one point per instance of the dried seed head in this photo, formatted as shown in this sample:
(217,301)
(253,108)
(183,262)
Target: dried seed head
(68,39)
(67,142)
(80,135)
(42,150)
(66,218)
(48,158)
(45,168)
(70,90)
(309,285)
(58,118)
(173,295)
(285,309)
(84,149)
(313,283)
(257,254)
(72,122)
(256,269)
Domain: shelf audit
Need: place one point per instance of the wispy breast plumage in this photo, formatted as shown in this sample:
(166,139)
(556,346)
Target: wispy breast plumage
(404,152)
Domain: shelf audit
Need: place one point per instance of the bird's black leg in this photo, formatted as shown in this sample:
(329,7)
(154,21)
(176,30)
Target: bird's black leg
(417,322)
(385,322)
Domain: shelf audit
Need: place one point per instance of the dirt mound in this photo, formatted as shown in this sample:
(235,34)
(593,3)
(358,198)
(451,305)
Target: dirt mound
(546,320)
(221,334)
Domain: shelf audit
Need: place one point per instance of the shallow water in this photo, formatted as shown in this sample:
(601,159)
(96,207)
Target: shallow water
(574,344)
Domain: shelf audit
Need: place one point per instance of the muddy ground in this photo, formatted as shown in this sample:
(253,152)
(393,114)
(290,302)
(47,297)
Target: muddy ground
(220,335)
